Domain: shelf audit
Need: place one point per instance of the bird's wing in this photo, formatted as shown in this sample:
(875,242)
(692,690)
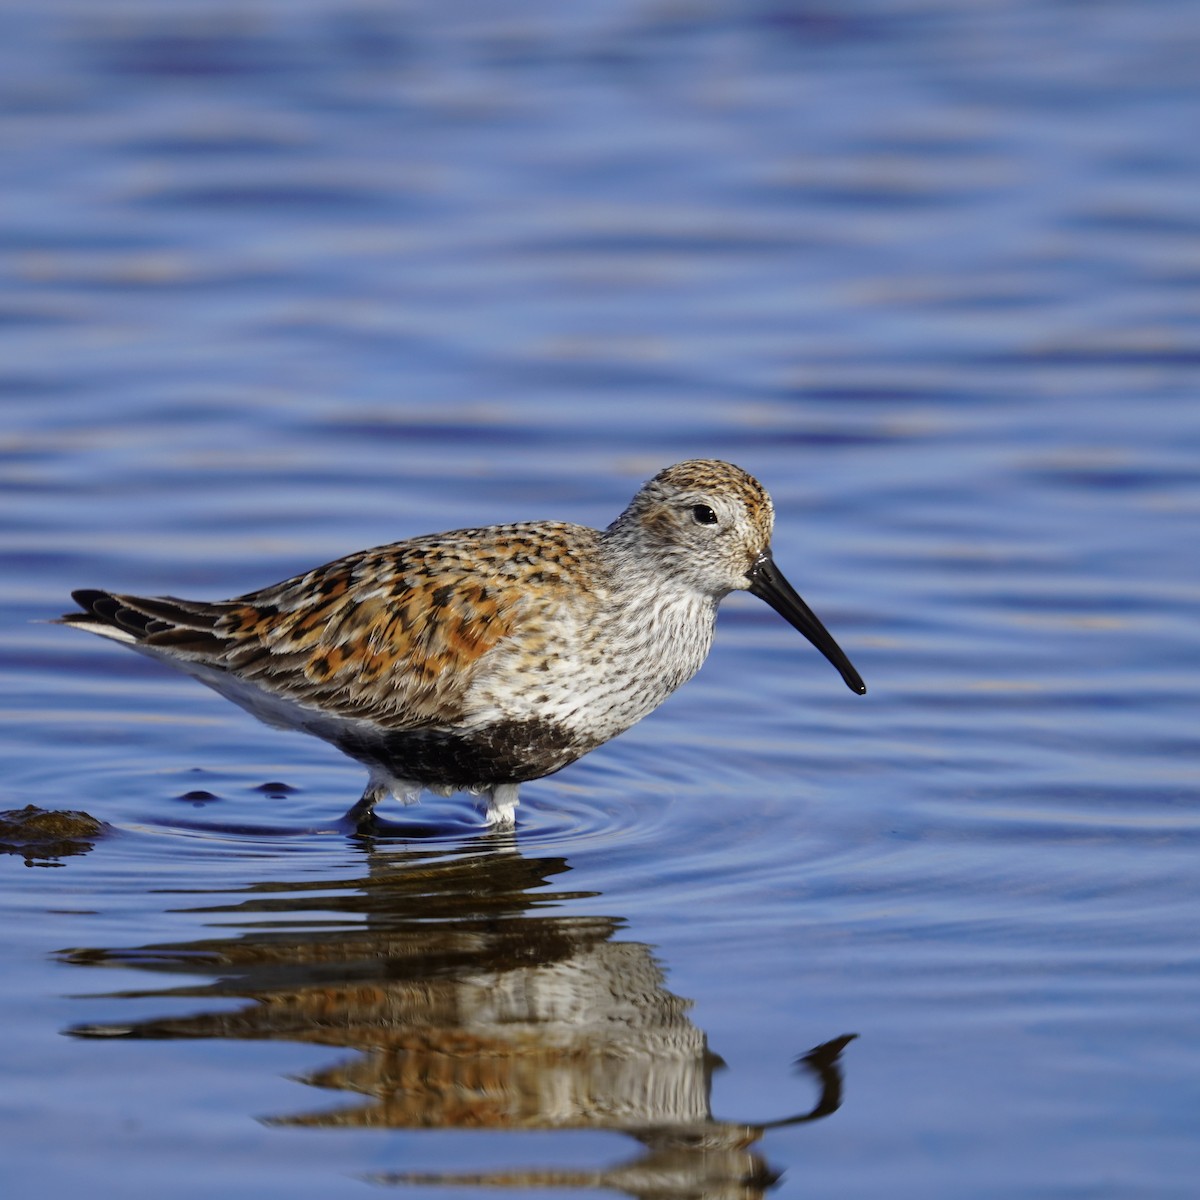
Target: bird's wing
(394,635)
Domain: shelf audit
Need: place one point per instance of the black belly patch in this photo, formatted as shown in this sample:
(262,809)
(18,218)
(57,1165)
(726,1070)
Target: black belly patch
(507,752)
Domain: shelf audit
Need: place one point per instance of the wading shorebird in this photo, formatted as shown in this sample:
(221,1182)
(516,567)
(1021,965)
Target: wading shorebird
(479,659)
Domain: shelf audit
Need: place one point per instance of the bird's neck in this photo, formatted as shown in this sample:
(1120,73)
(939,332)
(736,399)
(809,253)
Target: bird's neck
(656,610)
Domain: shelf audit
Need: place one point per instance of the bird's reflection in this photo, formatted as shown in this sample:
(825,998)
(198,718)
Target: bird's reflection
(469,1003)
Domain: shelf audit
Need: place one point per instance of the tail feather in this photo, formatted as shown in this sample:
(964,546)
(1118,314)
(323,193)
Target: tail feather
(161,622)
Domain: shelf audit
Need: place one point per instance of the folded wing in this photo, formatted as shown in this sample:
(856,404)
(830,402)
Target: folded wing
(394,636)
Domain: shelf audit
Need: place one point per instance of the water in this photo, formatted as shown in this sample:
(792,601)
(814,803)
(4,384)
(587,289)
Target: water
(286,280)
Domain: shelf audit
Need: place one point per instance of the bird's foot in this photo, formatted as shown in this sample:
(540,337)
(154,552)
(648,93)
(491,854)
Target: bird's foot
(362,815)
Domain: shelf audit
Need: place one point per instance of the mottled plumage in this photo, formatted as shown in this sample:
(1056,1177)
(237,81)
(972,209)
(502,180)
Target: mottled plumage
(481,658)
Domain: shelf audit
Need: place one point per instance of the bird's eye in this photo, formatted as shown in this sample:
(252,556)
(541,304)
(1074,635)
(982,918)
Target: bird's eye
(703,515)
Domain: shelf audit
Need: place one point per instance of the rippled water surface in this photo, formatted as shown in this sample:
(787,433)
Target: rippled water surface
(287,280)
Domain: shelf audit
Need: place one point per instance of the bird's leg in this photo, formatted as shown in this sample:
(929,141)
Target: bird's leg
(363,812)
(502,806)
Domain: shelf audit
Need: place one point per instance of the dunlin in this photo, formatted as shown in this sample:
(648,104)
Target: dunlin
(479,659)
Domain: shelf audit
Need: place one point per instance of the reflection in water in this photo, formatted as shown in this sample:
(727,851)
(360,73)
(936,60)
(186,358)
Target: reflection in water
(469,1007)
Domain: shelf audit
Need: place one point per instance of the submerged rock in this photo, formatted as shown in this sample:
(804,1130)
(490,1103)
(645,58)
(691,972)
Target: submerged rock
(42,837)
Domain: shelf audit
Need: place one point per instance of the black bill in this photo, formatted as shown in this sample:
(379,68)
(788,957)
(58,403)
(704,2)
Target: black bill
(767,583)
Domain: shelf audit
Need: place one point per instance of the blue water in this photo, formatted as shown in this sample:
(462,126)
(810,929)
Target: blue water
(284,280)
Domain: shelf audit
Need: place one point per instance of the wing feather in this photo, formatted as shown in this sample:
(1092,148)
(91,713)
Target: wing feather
(394,636)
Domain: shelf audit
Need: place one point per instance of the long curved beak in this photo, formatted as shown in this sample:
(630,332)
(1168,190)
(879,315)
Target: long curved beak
(767,583)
